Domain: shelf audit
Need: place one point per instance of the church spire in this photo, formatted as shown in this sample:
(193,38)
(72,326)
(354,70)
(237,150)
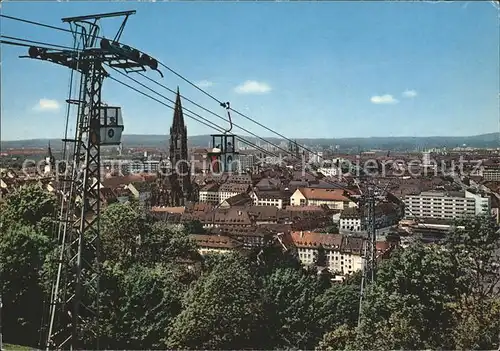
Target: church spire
(181,178)
(178,122)
(50,155)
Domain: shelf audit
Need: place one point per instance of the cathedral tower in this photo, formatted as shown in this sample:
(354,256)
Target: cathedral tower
(181,177)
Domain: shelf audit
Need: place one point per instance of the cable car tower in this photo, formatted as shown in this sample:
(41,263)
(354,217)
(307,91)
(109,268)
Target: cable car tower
(74,307)
(366,206)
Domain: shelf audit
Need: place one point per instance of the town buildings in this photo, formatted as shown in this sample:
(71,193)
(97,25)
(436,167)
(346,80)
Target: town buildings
(298,210)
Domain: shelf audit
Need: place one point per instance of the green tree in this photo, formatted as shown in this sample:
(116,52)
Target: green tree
(336,306)
(123,227)
(477,324)
(166,242)
(194,227)
(341,338)
(409,306)
(269,258)
(475,245)
(222,310)
(22,253)
(29,205)
(289,296)
(320,260)
(139,305)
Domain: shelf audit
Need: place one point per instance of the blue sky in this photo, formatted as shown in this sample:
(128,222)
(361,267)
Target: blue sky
(305,69)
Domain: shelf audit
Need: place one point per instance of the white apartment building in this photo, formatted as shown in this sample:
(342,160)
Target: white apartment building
(129,166)
(491,174)
(247,161)
(210,194)
(316,157)
(276,198)
(218,244)
(228,190)
(343,254)
(333,198)
(386,215)
(446,205)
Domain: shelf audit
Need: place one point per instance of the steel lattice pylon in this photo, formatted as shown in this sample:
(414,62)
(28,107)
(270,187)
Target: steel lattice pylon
(367,209)
(74,303)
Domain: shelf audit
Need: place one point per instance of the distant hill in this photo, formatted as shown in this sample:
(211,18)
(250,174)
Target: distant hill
(489,140)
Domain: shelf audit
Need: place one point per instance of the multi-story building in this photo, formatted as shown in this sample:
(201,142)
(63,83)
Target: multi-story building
(277,198)
(210,193)
(228,190)
(446,205)
(239,178)
(386,215)
(343,254)
(208,244)
(127,166)
(247,161)
(491,174)
(333,198)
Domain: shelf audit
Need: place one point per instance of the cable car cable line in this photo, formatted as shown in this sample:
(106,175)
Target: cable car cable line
(217,127)
(220,102)
(199,118)
(205,109)
(207,122)
(37,42)
(226,105)
(128,53)
(199,106)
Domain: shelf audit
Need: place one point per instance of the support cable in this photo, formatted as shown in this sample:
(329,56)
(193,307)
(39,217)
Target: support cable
(37,42)
(208,123)
(219,128)
(36,23)
(220,102)
(22,44)
(197,105)
(198,118)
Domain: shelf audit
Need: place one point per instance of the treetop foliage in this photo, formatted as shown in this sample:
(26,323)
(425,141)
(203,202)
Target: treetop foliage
(158,292)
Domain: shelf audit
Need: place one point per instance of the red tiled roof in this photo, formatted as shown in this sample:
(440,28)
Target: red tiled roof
(168,209)
(234,188)
(312,239)
(202,207)
(324,194)
(113,182)
(304,209)
(215,241)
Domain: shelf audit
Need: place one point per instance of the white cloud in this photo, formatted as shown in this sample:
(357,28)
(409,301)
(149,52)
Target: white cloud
(409,93)
(204,84)
(46,105)
(383,99)
(253,87)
